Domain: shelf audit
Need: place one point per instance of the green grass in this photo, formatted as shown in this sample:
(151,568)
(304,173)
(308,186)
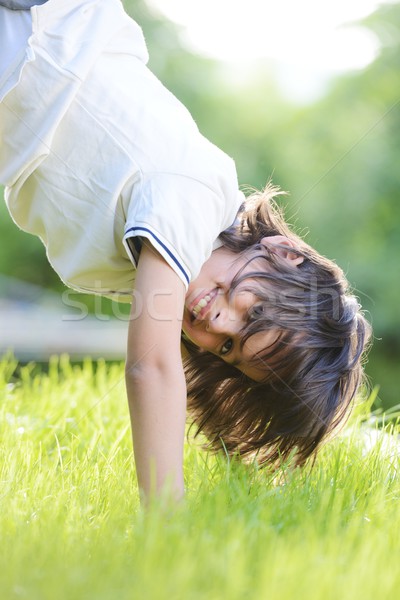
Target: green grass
(71,527)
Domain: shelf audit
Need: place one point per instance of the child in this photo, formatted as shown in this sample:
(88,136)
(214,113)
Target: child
(109,169)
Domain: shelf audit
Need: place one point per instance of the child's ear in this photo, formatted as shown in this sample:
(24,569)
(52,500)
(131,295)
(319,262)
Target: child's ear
(283,246)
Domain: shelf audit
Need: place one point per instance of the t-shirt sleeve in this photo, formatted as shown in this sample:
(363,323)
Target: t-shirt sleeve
(182,218)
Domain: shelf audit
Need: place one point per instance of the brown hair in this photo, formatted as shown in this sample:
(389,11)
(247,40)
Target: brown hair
(314,369)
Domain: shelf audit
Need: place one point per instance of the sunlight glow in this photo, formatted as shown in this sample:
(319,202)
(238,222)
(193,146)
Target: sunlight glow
(320,37)
(284,30)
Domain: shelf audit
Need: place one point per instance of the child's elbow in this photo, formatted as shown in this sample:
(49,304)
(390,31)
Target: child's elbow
(151,372)
(136,374)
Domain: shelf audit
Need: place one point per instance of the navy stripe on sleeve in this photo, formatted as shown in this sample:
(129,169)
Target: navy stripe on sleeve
(176,261)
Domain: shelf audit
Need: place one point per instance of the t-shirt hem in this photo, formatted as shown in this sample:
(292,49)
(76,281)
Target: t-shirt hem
(161,245)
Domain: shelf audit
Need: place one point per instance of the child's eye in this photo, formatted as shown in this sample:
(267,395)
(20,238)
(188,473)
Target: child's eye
(227,347)
(255,312)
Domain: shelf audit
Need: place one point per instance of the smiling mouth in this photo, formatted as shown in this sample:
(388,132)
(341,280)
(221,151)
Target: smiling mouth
(202,305)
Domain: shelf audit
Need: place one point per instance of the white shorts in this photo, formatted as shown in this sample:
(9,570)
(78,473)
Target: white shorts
(16,28)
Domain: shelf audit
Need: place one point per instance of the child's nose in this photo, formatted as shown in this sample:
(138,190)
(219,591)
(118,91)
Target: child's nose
(224,321)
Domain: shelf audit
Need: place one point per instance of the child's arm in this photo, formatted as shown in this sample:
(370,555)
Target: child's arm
(154,375)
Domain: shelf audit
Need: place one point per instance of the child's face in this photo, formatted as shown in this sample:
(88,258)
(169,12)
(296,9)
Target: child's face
(214,317)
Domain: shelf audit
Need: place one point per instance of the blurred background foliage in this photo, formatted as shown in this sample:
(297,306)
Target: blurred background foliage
(338,157)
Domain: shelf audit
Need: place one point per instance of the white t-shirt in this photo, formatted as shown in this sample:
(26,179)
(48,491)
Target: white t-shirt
(96,153)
